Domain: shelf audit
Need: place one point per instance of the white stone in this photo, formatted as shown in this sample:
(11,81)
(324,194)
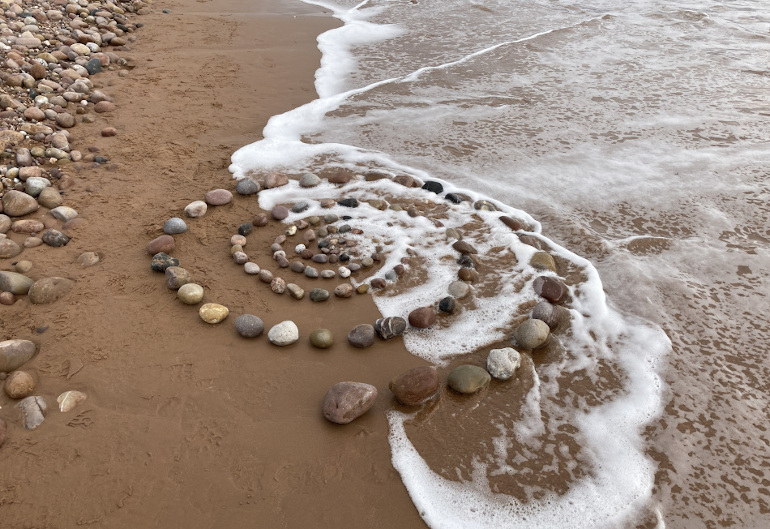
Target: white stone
(196,209)
(285,333)
(503,363)
(64,213)
(343,271)
(251,268)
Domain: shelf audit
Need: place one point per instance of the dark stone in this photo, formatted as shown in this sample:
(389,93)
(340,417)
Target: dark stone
(512,223)
(361,336)
(447,305)
(387,328)
(318,295)
(466,261)
(379,282)
(550,288)
(249,326)
(299,207)
(93,66)
(344,257)
(454,199)
(246,187)
(297,266)
(162,260)
(348,202)
(245,228)
(552,315)
(464,248)
(416,385)
(433,187)
(260,220)
(55,238)
(469,275)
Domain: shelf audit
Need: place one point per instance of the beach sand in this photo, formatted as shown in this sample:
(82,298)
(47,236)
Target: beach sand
(187,424)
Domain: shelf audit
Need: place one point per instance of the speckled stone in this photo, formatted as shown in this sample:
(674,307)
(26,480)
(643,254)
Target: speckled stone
(174,225)
(283,334)
(213,313)
(161,261)
(196,209)
(345,290)
(249,326)
(503,363)
(190,294)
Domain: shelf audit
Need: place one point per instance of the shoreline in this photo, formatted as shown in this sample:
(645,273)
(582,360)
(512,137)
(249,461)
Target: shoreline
(185,423)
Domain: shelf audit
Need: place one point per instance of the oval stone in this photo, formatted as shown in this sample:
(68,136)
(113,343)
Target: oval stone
(9,248)
(347,401)
(164,243)
(422,318)
(319,294)
(532,334)
(190,294)
(213,312)
(387,328)
(285,333)
(468,379)
(49,289)
(18,204)
(176,276)
(550,288)
(196,209)
(218,197)
(249,326)
(345,290)
(15,283)
(15,353)
(416,385)
(19,384)
(173,226)
(279,212)
(552,315)
(322,338)
(361,336)
(543,261)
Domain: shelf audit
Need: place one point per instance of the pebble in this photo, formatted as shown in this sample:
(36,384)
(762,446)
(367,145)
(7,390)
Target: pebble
(285,333)
(319,294)
(390,327)
(543,261)
(218,197)
(343,272)
(275,180)
(213,312)
(344,290)
(15,283)
(7,298)
(35,185)
(22,267)
(9,248)
(190,293)
(50,198)
(5,223)
(87,259)
(415,386)
(552,315)
(320,258)
(27,226)
(422,318)
(278,285)
(453,198)
(69,399)
(248,325)
(260,220)
(240,258)
(514,224)
(468,379)
(246,187)
(17,204)
(311,272)
(550,288)
(362,288)
(298,267)
(49,289)
(32,242)
(464,248)
(503,363)
(531,334)
(251,268)
(176,276)
(469,275)
(291,230)
(348,202)
(466,261)
(327,203)
(299,207)
(328,274)
(433,187)
(245,228)
(322,338)
(15,353)
(347,401)
(104,106)
(309,180)
(279,212)
(164,243)
(447,305)
(172,226)
(458,289)
(295,290)
(196,209)
(484,205)
(361,336)
(379,283)
(55,238)
(391,275)
(33,411)
(161,261)
(19,384)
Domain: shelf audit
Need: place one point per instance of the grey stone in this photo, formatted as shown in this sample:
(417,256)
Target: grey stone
(16,283)
(468,379)
(309,180)
(390,327)
(318,295)
(361,336)
(503,363)
(249,326)
(55,238)
(15,353)
(532,334)
(35,185)
(64,213)
(174,225)
(246,187)
(33,411)
(459,289)
(176,276)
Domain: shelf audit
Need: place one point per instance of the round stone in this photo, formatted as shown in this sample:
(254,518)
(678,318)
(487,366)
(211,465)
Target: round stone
(7,298)
(415,386)
(309,180)
(278,285)
(279,212)
(459,289)
(391,327)
(379,283)
(49,289)
(552,315)
(285,333)
(246,187)
(532,334)
(240,258)
(9,248)
(503,363)
(176,276)
(190,294)
(299,207)
(238,239)
(18,204)
(164,243)
(318,295)
(251,268)
(550,288)
(343,272)
(249,326)
(213,312)
(19,384)
(422,318)
(172,226)
(468,274)
(347,401)
(361,336)
(322,338)
(543,261)
(245,228)
(266,276)
(87,259)
(345,290)
(275,180)
(218,197)
(196,209)
(468,379)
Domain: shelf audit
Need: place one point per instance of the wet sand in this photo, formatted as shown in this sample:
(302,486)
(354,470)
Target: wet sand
(188,424)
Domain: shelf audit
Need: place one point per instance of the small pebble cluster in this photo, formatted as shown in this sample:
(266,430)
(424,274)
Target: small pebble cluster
(331,243)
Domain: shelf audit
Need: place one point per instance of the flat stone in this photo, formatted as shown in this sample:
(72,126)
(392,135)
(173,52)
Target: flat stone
(387,328)
(104,106)
(190,293)
(15,283)
(266,276)
(348,202)
(49,289)
(173,226)
(15,353)
(249,326)
(551,288)
(19,385)
(275,180)
(33,410)
(503,363)
(347,401)
(468,379)
(87,259)
(318,295)
(9,248)
(176,276)
(422,318)
(251,268)
(344,290)
(361,336)
(196,209)
(322,338)
(69,399)
(161,261)
(285,333)
(213,313)
(55,238)
(164,243)
(543,261)
(246,187)
(532,334)
(218,197)
(415,386)
(310,272)
(18,204)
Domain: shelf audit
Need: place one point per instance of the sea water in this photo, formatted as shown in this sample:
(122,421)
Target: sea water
(632,139)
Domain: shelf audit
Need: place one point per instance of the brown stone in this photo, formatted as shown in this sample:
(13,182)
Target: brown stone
(176,276)
(27,226)
(379,282)
(3,432)
(514,224)
(345,290)
(164,243)
(340,178)
(19,384)
(550,288)
(347,401)
(18,204)
(275,180)
(406,181)
(469,275)
(218,197)
(260,220)
(7,298)
(543,261)
(9,248)
(15,353)
(104,106)
(464,248)
(416,385)
(49,289)
(422,318)
(552,315)
(109,132)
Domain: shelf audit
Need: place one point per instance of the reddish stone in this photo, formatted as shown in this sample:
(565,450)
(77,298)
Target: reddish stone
(218,197)
(340,178)
(514,224)
(416,385)
(104,106)
(164,243)
(347,401)
(550,288)
(422,318)
(275,180)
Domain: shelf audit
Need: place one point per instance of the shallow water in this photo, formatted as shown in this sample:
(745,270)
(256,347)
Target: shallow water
(635,135)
